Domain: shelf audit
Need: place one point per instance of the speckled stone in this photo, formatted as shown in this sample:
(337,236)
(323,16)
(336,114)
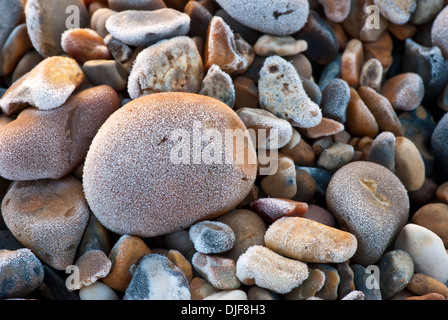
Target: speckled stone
(272,209)
(336,156)
(438,145)
(409,165)
(21,273)
(212,237)
(396,269)
(219,85)
(282,183)
(335,99)
(365,281)
(382,150)
(371,74)
(404,91)
(92,265)
(421,284)
(157,278)
(375,222)
(219,271)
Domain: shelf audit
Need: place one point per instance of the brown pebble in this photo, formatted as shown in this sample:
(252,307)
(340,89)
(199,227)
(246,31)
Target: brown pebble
(200,18)
(246,93)
(422,284)
(281,184)
(84,44)
(306,187)
(321,215)
(434,216)
(182,263)
(428,296)
(309,287)
(329,290)
(15,47)
(272,209)
(404,91)
(425,194)
(302,65)
(442,192)
(201,288)
(409,165)
(380,49)
(26,64)
(351,62)
(336,11)
(402,31)
(93,265)
(302,153)
(98,20)
(360,120)
(327,127)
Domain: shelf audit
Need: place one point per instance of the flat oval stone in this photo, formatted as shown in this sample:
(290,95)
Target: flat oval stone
(277,17)
(370,202)
(54,213)
(21,272)
(11,13)
(336,156)
(267,269)
(157,278)
(46,20)
(422,284)
(144,28)
(433,216)
(309,241)
(174,65)
(371,74)
(409,165)
(84,44)
(58,78)
(404,91)
(426,249)
(281,182)
(396,269)
(352,61)
(269,45)
(219,271)
(16,45)
(212,237)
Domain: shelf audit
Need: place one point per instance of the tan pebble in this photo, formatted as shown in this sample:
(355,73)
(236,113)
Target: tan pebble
(248,227)
(302,153)
(302,65)
(409,165)
(218,270)
(93,265)
(15,47)
(372,74)
(360,120)
(402,31)
(351,62)
(327,127)
(118,49)
(84,44)
(422,284)
(201,288)
(267,269)
(281,183)
(58,78)
(306,187)
(382,110)
(98,20)
(309,287)
(268,45)
(442,192)
(404,91)
(257,293)
(434,216)
(182,263)
(222,49)
(309,241)
(428,296)
(272,209)
(246,93)
(48,217)
(125,256)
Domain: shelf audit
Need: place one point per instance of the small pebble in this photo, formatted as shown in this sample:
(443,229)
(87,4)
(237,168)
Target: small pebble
(267,269)
(283,99)
(351,62)
(15,47)
(147,5)
(347,281)
(433,216)
(257,293)
(309,287)
(375,222)
(106,72)
(302,153)
(321,215)
(200,18)
(219,85)
(93,265)
(409,165)
(396,269)
(335,99)
(365,282)
(336,11)
(302,65)
(228,295)
(219,271)
(97,291)
(157,278)
(201,288)
(119,50)
(354,295)
(212,237)
(336,156)
(322,143)
(95,237)
(12,13)
(382,150)
(320,175)
(371,74)
(180,241)
(331,71)
(421,284)
(396,11)
(282,183)
(380,49)
(246,93)
(269,45)
(329,290)
(21,273)
(426,249)
(326,127)
(182,263)
(125,257)
(98,22)
(360,120)
(272,209)
(144,28)
(404,91)
(84,44)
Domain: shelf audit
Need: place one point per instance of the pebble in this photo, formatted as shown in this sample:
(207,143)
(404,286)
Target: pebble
(84,44)
(426,249)
(442,192)
(180,241)
(439,31)
(402,31)
(246,93)
(409,165)
(248,227)
(282,182)
(321,215)
(331,71)
(119,50)
(16,45)
(106,72)
(272,209)
(270,132)
(54,141)
(21,272)
(212,237)
(257,293)
(352,61)
(396,269)
(269,270)
(296,238)
(278,17)
(434,217)
(93,265)
(201,288)
(426,11)
(47,20)
(228,295)
(175,65)
(219,85)
(360,121)
(145,282)
(54,213)
(438,147)
(29,60)
(382,150)
(382,110)
(336,11)
(98,21)
(404,91)
(144,28)
(380,49)
(336,156)
(322,43)
(347,282)
(200,18)
(326,127)
(182,263)
(58,78)
(312,90)
(365,282)
(322,143)
(354,295)
(219,271)
(429,296)
(396,11)
(426,194)
(309,287)
(421,285)
(371,74)
(375,222)
(335,100)
(320,175)
(12,13)
(125,256)
(145,5)
(329,290)
(269,45)
(97,291)
(302,153)
(95,237)
(226,49)
(302,65)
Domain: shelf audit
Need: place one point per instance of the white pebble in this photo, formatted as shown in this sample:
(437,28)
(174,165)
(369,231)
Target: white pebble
(228,295)
(98,291)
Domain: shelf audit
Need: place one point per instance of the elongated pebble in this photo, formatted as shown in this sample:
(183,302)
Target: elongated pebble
(396,269)
(267,269)
(409,165)
(360,120)
(268,45)
(382,150)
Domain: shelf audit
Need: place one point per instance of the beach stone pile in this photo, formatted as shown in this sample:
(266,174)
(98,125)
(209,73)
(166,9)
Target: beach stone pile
(117,181)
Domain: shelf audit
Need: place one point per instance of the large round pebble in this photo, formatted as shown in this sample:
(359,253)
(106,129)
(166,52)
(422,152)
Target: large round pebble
(370,202)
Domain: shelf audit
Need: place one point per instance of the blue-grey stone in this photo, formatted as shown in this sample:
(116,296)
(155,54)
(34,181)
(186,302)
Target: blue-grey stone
(335,99)
(366,282)
(312,90)
(336,156)
(157,278)
(320,175)
(396,269)
(439,146)
(8,241)
(382,150)
(330,72)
